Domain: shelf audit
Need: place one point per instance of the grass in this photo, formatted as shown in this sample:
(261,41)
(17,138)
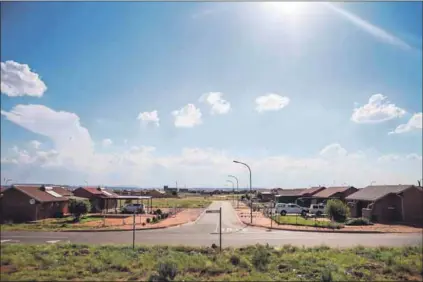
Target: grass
(51,224)
(253,263)
(299,220)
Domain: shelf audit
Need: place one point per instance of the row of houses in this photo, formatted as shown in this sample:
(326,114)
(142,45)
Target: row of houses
(23,203)
(379,203)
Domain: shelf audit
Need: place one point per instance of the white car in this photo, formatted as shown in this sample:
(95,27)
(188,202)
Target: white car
(131,208)
(317,209)
(284,209)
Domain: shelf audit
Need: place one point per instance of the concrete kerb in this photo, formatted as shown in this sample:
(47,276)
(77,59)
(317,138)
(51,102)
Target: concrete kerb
(321,231)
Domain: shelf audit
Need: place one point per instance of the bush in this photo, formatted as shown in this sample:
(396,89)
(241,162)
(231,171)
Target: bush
(148,220)
(143,224)
(167,270)
(327,276)
(214,246)
(78,208)
(337,210)
(159,211)
(358,221)
(154,220)
(234,260)
(261,258)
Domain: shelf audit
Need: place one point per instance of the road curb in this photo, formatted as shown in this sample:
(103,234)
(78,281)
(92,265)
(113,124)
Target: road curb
(328,231)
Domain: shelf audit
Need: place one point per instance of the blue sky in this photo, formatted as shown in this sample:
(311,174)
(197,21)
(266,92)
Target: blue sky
(306,93)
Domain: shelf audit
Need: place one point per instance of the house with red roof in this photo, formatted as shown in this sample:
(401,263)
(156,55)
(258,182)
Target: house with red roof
(102,200)
(22,203)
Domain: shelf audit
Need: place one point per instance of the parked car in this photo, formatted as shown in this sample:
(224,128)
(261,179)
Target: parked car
(284,209)
(317,209)
(131,208)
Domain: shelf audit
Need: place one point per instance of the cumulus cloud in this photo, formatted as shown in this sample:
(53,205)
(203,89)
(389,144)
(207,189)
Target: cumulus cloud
(18,80)
(35,144)
(414,123)
(70,138)
(187,116)
(107,142)
(334,150)
(378,109)
(217,103)
(149,117)
(271,102)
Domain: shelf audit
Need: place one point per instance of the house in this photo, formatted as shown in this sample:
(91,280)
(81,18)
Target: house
(170,190)
(388,203)
(155,193)
(22,203)
(306,196)
(102,200)
(265,196)
(340,193)
(288,195)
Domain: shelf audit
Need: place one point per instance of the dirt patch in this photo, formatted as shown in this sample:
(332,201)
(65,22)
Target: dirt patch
(8,269)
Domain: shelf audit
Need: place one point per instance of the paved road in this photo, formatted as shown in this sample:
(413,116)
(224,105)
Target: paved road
(204,232)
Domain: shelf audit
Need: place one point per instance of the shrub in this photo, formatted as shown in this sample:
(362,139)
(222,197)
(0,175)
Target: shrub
(158,211)
(358,221)
(167,270)
(148,220)
(154,220)
(234,259)
(214,246)
(337,210)
(261,258)
(326,276)
(143,224)
(78,208)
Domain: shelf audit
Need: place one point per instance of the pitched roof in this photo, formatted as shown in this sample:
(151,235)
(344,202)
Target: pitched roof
(103,193)
(40,195)
(330,191)
(289,192)
(375,192)
(312,190)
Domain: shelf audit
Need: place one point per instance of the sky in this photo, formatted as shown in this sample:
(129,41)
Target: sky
(147,94)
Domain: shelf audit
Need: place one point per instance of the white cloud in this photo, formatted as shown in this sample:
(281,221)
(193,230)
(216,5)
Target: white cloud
(187,116)
(415,123)
(147,117)
(217,103)
(107,142)
(370,28)
(18,80)
(378,109)
(333,151)
(271,102)
(70,138)
(35,144)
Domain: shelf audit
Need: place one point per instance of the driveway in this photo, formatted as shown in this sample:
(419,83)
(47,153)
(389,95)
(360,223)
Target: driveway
(204,232)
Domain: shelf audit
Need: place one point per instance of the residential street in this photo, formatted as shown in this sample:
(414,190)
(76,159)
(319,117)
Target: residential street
(204,232)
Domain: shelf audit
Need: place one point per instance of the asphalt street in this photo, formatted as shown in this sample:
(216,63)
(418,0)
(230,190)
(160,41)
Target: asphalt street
(205,231)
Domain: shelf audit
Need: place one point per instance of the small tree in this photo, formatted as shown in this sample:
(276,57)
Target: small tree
(78,208)
(337,210)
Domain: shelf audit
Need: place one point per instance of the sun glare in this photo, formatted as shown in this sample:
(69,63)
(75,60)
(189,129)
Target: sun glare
(287,8)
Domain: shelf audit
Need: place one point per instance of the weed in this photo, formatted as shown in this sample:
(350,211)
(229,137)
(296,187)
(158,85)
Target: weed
(261,258)
(326,276)
(234,260)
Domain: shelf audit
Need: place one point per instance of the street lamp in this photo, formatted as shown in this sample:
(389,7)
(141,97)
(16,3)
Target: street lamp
(233,190)
(251,198)
(237,189)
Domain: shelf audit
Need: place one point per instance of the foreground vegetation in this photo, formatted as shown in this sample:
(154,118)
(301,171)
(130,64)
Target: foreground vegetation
(162,263)
(299,220)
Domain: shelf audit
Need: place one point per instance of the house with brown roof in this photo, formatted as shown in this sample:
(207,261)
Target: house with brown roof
(21,203)
(265,196)
(288,195)
(101,199)
(305,198)
(336,192)
(388,203)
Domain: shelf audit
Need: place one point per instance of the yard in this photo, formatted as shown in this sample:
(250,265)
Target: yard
(299,220)
(163,263)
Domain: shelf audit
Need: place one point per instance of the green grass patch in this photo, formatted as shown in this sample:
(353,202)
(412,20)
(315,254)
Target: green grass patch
(51,224)
(189,202)
(161,263)
(299,220)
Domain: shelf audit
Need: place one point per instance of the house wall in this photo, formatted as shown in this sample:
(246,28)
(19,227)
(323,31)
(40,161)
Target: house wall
(381,211)
(413,206)
(51,209)
(15,206)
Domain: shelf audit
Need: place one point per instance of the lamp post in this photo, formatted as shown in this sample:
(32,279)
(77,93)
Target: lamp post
(251,197)
(233,189)
(237,189)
